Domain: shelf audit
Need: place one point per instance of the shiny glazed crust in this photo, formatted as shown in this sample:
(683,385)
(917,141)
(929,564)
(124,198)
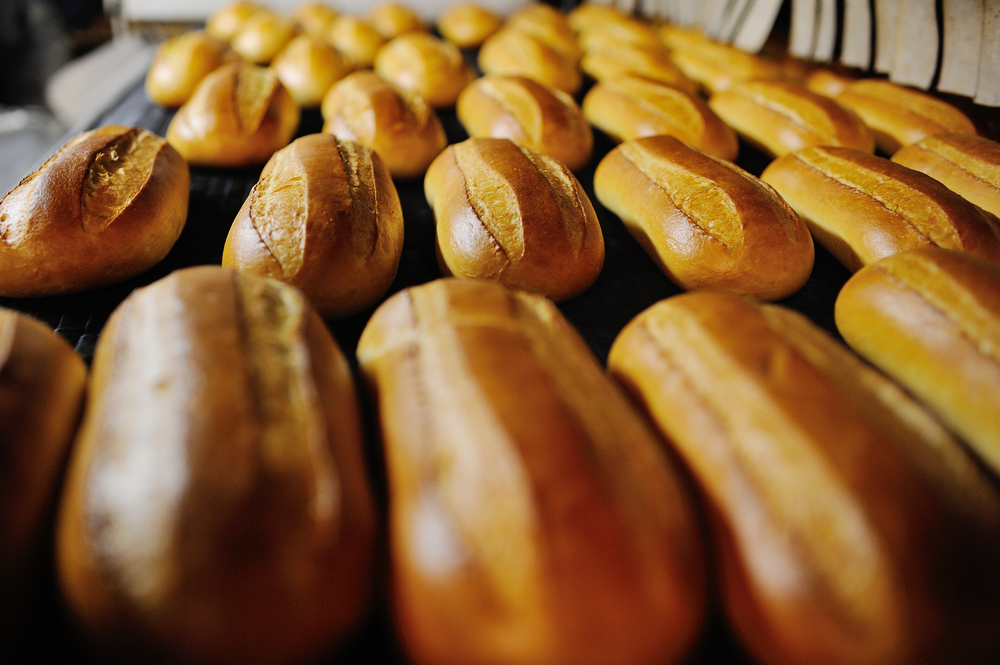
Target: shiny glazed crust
(533,517)
(239,115)
(234,488)
(356,39)
(863,208)
(263,35)
(180,64)
(392,19)
(529,113)
(850,527)
(109,205)
(308,67)
(611,61)
(425,65)
(510,214)
(707,223)
(516,53)
(226,21)
(715,66)
(315,17)
(325,218)
(467,25)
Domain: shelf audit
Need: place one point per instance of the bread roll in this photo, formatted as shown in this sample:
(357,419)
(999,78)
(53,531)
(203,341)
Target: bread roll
(425,65)
(603,63)
(533,517)
(590,14)
(308,67)
(510,214)
(181,63)
(263,35)
(863,208)
(467,24)
(849,527)
(41,395)
(399,126)
(931,319)
(781,117)
(707,223)
(900,116)
(619,30)
(392,19)
(107,206)
(238,116)
(827,82)
(549,26)
(967,165)
(356,39)
(715,66)
(516,53)
(226,21)
(630,108)
(315,18)
(529,113)
(217,508)
(324,217)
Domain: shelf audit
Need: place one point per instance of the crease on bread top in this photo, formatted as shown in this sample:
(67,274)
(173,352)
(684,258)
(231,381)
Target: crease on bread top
(948,147)
(115,176)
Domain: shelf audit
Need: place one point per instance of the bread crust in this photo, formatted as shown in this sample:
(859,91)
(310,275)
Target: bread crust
(308,67)
(315,17)
(425,65)
(610,61)
(467,24)
(717,67)
(392,19)
(225,22)
(356,39)
(181,63)
(516,53)
(263,35)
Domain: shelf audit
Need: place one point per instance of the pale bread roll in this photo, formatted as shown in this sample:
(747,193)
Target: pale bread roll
(516,53)
(425,65)
(356,39)
(225,22)
(180,64)
(263,35)
(467,24)
(308,67)
(392,19)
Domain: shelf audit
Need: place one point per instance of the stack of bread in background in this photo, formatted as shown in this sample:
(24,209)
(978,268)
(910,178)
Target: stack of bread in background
(221,500)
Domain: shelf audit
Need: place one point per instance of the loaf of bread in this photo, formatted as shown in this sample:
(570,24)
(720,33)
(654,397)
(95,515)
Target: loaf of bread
(239,115)
(549,26)
(41,395)
(621,31)
(356,39)
(611,61)
(533,517)
(517,53)
(630,108)
(467,24)
(780,118)
(508,213)
(930,319)
(315,18)
(224,22)
(405,132)
(529,113)
(308,67)
(324,217)
(849,527)
(715,66)
(263,35)
(900,116)
(107,206)
(827,82)
(590,15)
(707,223)
(967,165)
(217,508)
(392,19)
(181,63)
(863,208)
(425,65)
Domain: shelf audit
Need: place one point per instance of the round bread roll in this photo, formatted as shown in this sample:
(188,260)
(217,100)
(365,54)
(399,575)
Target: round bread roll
(404,131)
(529,113)
(263,35)
(590,14)
(425,65)
(238,116)
(863,208)
(225,22)
(356,39)
(513,215)
(181,63)
(549,26)
(467,24)
(109,205)
(706,222)
(900,116)
(967,165)
(630,108)
(217,507)
(315,18)
(308,67)
(715,66)
(611,61)
(619,30)
(516,53)
(780,118)
(392,19)
(325,218)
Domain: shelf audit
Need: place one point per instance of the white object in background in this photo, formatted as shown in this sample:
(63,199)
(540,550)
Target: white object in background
(885,34)
(687,13)
(714,18)
(826,31)
(988,89)
(856,43)
(963,39)
(757,25)
(802,35)
(916,44)
(733,20)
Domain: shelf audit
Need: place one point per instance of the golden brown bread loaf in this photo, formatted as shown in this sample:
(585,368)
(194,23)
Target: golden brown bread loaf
(324,217)
(425,65)
(900,116)
(508,213)
(611,61)
(930,318)
(781,117)
(588,15)
(216,508)
(315,18)
(239,115)
(392,19)
(549,26)
(967,165)
(707,223)
(516,53)
(529,113)
(827,82)
(41,394)
(715,66)
(107,206)
(181,63)
(399,126)
(630,108)
(849,527)
(356,39)
(533,517)
(308,67)
(263,35)
(467,24)
(226,21)
(863,208)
